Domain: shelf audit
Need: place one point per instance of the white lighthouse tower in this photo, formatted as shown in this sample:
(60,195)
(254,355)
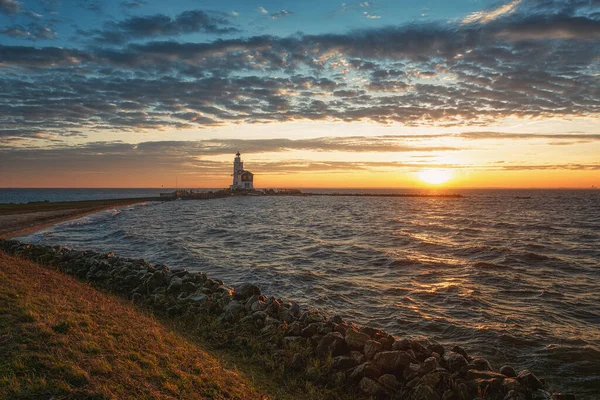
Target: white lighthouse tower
(242,180)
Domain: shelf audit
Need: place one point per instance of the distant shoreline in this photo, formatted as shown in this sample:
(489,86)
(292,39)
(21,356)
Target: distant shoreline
(23,219)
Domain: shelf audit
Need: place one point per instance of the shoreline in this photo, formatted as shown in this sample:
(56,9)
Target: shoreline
(303,343)
(24,219)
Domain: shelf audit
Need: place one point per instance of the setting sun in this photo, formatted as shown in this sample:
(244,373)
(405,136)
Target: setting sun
(435,176)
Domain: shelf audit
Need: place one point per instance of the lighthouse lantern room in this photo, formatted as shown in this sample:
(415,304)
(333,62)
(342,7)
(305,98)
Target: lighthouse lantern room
(242,180)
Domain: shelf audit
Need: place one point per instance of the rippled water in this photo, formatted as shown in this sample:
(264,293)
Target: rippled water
(512,279)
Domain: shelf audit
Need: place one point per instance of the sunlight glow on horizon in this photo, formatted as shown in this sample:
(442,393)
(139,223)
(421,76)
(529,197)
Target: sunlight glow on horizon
(435,176)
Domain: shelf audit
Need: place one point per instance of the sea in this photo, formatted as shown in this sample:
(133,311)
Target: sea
(510,275)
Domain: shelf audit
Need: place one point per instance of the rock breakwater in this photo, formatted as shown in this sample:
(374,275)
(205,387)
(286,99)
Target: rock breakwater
(302,342)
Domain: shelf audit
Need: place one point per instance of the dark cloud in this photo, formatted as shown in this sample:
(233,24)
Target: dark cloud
(532,65)
(95,6)
(10,7)
(133,3)
(140,27)
(33,31)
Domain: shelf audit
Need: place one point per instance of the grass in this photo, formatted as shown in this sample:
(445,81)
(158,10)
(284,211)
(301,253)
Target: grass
(61,338)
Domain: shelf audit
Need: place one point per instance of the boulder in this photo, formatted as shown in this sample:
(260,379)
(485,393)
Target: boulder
(294,329)
(508,371)
(424,392)
(356,340)
(367,369)
(402,344)
(456,361)
(391,361)
(245,290)
(527,378)
(481,364)
(390,382)
(478,374)
(432,380)
(333,343)
(174,285)
(371,387)
(344,362)
(371,348)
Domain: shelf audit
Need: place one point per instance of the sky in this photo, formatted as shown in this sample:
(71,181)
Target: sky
(386,94)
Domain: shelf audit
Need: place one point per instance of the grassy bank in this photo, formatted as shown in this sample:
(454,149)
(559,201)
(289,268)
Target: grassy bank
(61,337)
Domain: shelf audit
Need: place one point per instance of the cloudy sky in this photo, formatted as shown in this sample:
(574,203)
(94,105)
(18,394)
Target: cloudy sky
(314,93)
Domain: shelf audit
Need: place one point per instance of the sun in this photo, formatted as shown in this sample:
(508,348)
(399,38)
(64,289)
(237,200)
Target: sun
(435,176)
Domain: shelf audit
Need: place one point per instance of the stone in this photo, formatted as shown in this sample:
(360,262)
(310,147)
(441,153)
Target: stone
(478,374)
(245,290)
(174,285)
(367,369)
(462,392)
(337,379)
(461,351)
(295,310)
(137,298)
(424,392)
(564,396)
(189,287)
(289,341)
(541,394)
(511,384)
(508,371)
(402,344)
(356,340)
(429,365)
(481,364)
(411,371)
(371,348)
(527,378)
(437,348)
(358,356)
(310,317)
(294,329)
(448,395)
(310,330)
(344,362)
(390,382)
(391,361)
(197,298)
(514,395)
(456,361)
(432,379)
(485,385)
(371,387)
(333,343)
(232,312)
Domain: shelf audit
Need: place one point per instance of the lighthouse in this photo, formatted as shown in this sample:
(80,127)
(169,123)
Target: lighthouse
(242,180)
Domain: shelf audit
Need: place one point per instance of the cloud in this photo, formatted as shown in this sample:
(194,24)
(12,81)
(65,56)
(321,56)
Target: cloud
(588,137)
(10,7)
(482,17)
(281,13)
(262,10)
(34,31)
(418,74)
(133,4)
(366,9)
(140,27)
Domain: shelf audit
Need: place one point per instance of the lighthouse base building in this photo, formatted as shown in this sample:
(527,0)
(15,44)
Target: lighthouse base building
(242,180)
